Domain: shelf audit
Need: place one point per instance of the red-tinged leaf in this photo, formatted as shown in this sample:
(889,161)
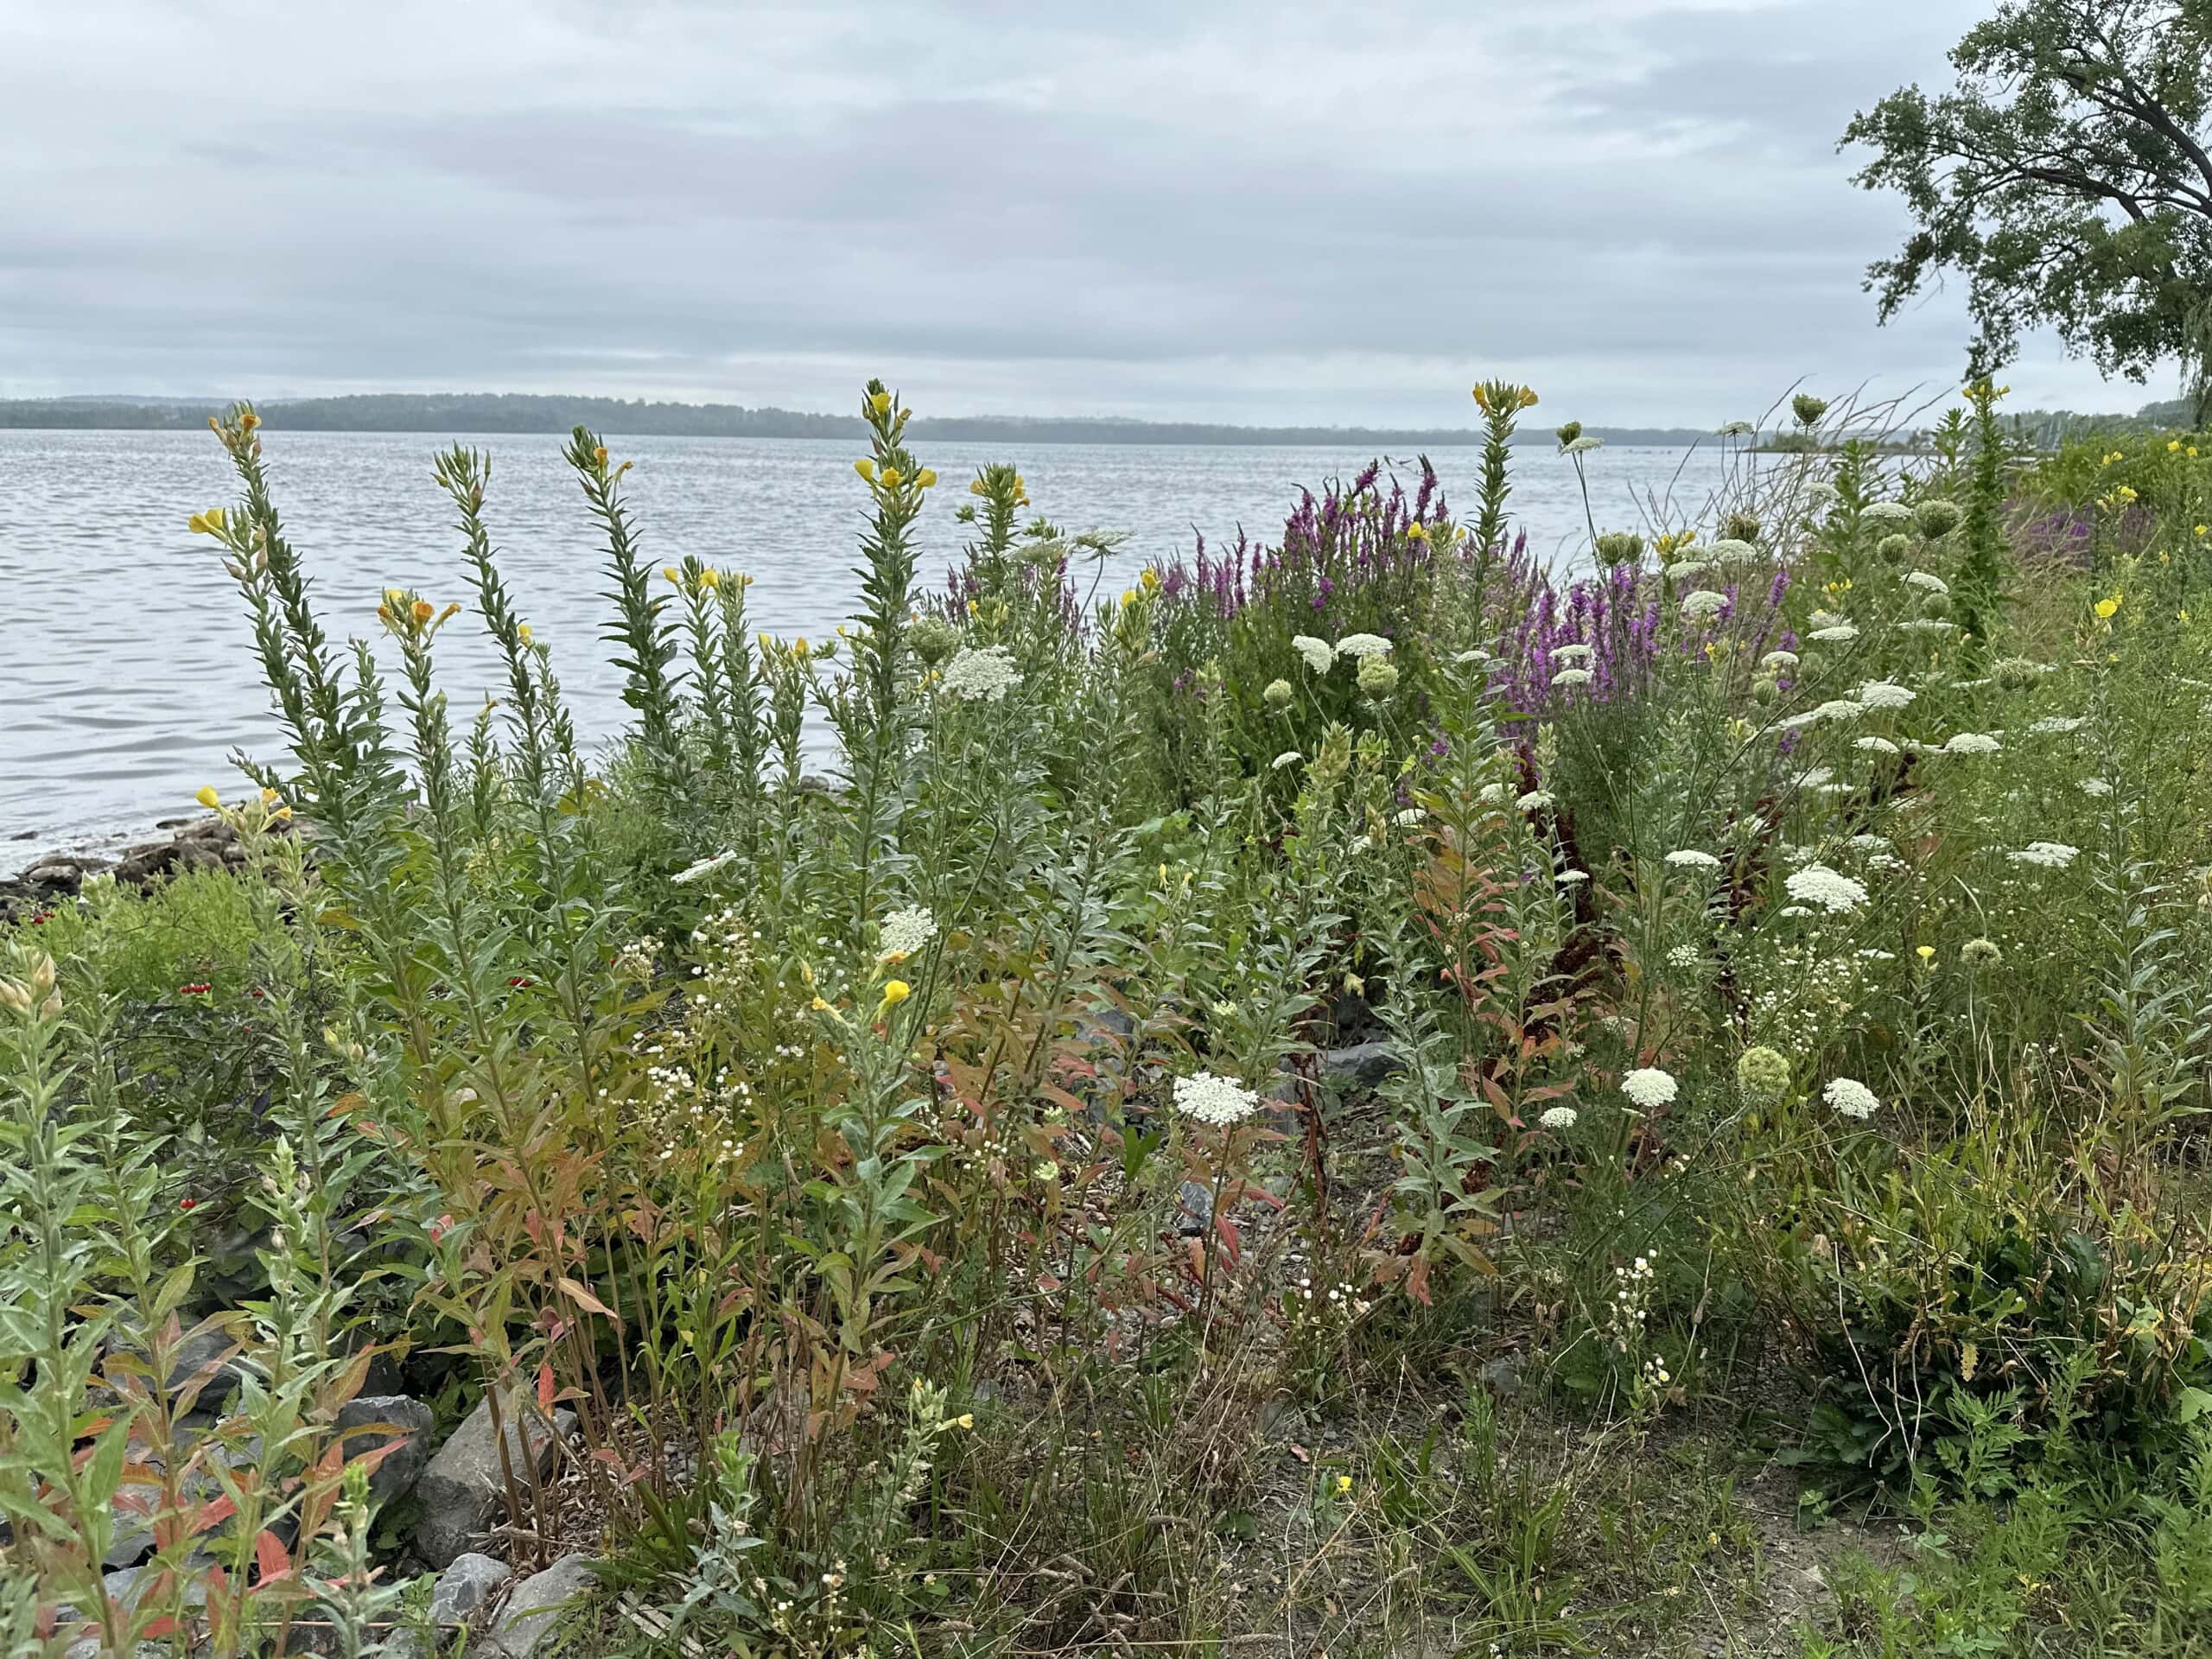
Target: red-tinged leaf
(165,1625)
(271,1559)
(1047,1283)
(1227,1229)
(1301,1452)
(1417,1281)
(584,1299)
(545,1387)
(213,1513)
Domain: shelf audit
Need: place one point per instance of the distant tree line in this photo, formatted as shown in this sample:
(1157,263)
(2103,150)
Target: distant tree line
(518,412)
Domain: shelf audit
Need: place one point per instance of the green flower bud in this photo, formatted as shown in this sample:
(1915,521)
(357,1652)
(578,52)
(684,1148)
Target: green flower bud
(1935,604)
(1740,527)
(1765,690)
(1619,547)
(1894,548)
(1763,1077)
(933,639)
(2016,673)
(1808,408)
(1278,694)
(1938,518)
(1980,951)
(1378,677)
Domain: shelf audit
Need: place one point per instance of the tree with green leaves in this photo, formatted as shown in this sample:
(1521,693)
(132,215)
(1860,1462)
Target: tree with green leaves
(2068,178)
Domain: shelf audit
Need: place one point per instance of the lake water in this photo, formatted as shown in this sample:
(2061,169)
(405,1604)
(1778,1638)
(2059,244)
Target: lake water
(127,673)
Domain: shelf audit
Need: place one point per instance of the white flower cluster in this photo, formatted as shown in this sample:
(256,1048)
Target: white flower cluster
(2056,726)
(2046,855)
(1568,678)
(1831,890)
(1218,1101)
(984,676)
(905,932)
(1558,1118)
(1927,581)
(1361,646)
(1690,858)
(1317,654)
(1836,633)
(703,868)
(1876,746)
(1648,1086)
(1730,551)
(1885,694)
(1704,603)
(1973,743)
(1775,661)
(1687,570)
(1571,655)
(1887,512)
(1851,1098)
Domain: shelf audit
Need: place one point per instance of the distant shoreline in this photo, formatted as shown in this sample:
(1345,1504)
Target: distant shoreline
(494,414)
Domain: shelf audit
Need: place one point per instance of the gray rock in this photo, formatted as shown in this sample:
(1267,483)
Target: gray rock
(64,873)
(534,1610)
(1362,1063)
(464,1487)
(1502,1375)
(1194,1211)
(396,1476)
(464,1587)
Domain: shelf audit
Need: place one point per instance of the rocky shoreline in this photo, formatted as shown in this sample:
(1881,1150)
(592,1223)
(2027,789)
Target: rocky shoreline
(202,842)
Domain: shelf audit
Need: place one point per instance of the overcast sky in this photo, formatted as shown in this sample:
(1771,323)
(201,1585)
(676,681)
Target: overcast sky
(1283,212)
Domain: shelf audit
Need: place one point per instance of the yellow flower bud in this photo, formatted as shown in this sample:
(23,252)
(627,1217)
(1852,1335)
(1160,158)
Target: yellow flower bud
(1150,580)
(424,610)
(248,420)
(599,454)
(880,403)
(891,478)
(524,632)
(672,573)
(865,467)
(207,797)
(926,479)
(896,991)
(710,578)
(268,796)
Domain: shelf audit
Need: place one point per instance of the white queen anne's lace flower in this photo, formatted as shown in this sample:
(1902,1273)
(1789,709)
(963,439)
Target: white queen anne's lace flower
(1287,758)
(1534,800)
(1568,678)
(1929,582)
(1836,633)
(1887,512)
(1361,646)
(984,676)
(1876,746)
(2056,725)
(1851,1098)
(1692,858)
(1648,1086)
(1973,743)
(905,932)
(2046,855)
(1218,1101)
(1568,656)
(1730,551)
(1885,694)
(1775,661)
(1558,1118)
(1703,603)
(1831,890)
(1317,654)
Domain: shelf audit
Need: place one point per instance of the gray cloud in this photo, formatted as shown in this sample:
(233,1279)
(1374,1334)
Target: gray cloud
(1238,211)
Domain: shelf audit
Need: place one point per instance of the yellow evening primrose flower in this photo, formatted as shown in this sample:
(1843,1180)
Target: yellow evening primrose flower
(674,576)
(523,633)
(966,1419)
(1344,1483)
(926,479)
(865,467)
(207,797)
(896,991)
(1924,952)
(1150,580)
(424,610)
(2107,607)
(880,403)
(599,454)
(268,796)
(891,478)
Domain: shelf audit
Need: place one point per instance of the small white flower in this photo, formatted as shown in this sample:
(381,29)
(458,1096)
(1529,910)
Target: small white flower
(1835,708)
(1737,430)
(1534,800)
(1410,816)
(703,868)
(1729,551)
(2046,855)
(1218,1101)
(1703,603)
(1287,758)
(2095,786)
(1839,634)
(1885,694)
(984,676)
(1972,743)
(1317,654)
(2056,725)
(1691,858)
(1876,746)
(1927,625)
(1775,661)
(1887,512)
(1648,1086)
(1568,678)
(1927,581)
(1571,878)
(1570,655)
(1558,1118)
(1583,445)
(1361,646)
(1832,889)
(1851,1098)
(1685,955)
(1687,570)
